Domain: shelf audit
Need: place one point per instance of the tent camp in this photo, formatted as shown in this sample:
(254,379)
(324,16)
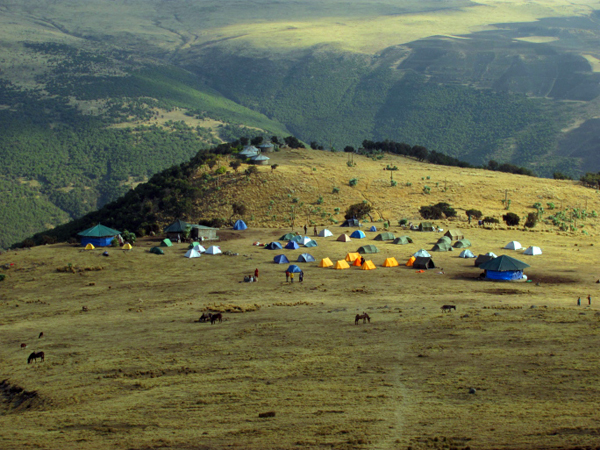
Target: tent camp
(387,236)
(89,246)
(287,237)
(463,243)
(351,223)
(166,243)
(157,251)
(357,234)
(410,261)
(368,265)
(373,228)
(273,246)
(350,257)
(240,225)
(98,236)
(127,246)
(504,268)
(326,262)
(344,238)
(466,254)
(306,257)
(294,269)
(390,262)
(442,247)
(455,235)
(402,240)
(214,250)
(422,253)
(311,243)
(292,245)
(483,259)
(192,254)
(426,226)
(445,239)
(199,248)
(305,240)
(533,251)
(367,249)
(341,264)
(513,245)
(423,262)
(325,233)
(281,259)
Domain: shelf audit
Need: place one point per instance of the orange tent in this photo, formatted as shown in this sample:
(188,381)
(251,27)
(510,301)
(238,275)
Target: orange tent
(357,262)
(350,257)
(325,262)
(341,264)
(410,262)
(368,265)
(390,262)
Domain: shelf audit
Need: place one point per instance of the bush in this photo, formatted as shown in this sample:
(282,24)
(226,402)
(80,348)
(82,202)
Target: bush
(214,223)
(251,170)
(353,181)
(114,242)
(2,277)
(474,213)
(531,220)
(402,222)
(426,190)
(28,243)
(235,165)
(48,239)
(335,190)
(320,200)
(358,211)
(489,220)
(221,170)
(511,219)
(437,211)
(129,236)
(394,183)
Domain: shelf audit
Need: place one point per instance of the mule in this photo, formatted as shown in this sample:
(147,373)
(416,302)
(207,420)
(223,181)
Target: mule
(448,308)
(34,356)
(216,318)
(364,316)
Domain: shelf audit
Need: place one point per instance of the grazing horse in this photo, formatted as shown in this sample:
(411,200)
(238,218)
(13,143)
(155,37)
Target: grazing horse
(364,316)
(205,317)
(216,317)
(448,308)
(34,356)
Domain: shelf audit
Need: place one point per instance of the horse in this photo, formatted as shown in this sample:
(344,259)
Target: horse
(364,316)
(205,317)
(41,335)
(216,317)
(34,356)
(448,308)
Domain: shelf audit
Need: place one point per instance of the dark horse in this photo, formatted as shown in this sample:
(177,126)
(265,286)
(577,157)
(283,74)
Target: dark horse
(205,317)
(364,316)
(34,356)
(216,318)
(448,308)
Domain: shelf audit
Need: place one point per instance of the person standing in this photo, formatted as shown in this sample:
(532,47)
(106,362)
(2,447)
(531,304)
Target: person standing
(579,301)
(305,229)
(287,276)
(589,300)
(316,232)
(256,273)
(301,277)
(292,277)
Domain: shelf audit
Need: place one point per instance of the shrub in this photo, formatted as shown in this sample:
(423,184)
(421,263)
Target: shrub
(537,205)
(491,220)
(48,239)
(221,170)
(408,184)
(474,213)
(214,223)
(320,200)
(335,190)
(394,183)
(531,220)
(114,242)
(353,181)
(358,211)
(426,190)
(295,200)
(402,222)
(511,219)
(235,165)
(28,243)
(2,277)
(437,211)
(129,236)
(550,205)
(251,170)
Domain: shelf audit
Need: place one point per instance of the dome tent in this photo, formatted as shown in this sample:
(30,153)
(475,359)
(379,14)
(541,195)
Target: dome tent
(213,250)
(157,251)
(373,228)
(422,253)
(462,243)
(311,244)
(533,251)
(273,246)
(402,240)
(325,262)
(281,259)
(341,264)
(240,225)
(344,238)
(325,233)
(287,237)
(306,257)
(367,249)
(192,254)
(357,234)
(294,269)
(385,236)
(466,254)
(504,268)
(390,262)
(292,245)
(513,245)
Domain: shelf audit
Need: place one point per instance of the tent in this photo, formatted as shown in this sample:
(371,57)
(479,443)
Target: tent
(513,245)
(426,226)
(326,262)
(192,245)
(463,243)
(294,269)
(166,243)
(357,234)
(292,245)
(199,248)
(350,257)
(373,228)
(273,246)
(127,246)
(423,262)
(367,249)
(445,239)
(90,246)
(98,236)
(358,262)
(466,254)
(297,239)
(287,237)
(311,243)
(533,251)
(305,240)
(390,262)
(213,250)
(483,259)
(441,247)
(402,240)
(157,251)
(422,252)
(351,223)
(387,236)
(410,261)
(281,259)
(325,233)
(306,257)
(504,268)
(177,227)
(341,264)
(192,254)
(240,225)
(454,235)
(344,238)
(368,265)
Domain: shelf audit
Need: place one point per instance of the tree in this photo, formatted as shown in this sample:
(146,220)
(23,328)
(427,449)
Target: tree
(511,219)
(349,149)
(211,163)
(238,209)
(275,140)
(235,165)
(493,165)
(561,176)
(358,211)
(437,211)
(293,142)
(531,220)
(274,166)
(256,140)
(474,213)
(251,170)
(420,152)
(244,141)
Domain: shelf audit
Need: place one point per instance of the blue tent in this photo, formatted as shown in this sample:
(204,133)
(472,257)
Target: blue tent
(240,225)
(358,234)
(306,257)
(292,245)
(311,243)
(294,269)
(297,238)
(273,246)
(280,259)
(373,228)
(98,236)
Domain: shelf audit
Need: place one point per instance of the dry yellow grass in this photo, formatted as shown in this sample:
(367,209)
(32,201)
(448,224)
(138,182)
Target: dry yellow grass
(137,371)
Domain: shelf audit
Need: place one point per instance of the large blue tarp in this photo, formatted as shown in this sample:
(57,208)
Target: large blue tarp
(506,275)
(97,241)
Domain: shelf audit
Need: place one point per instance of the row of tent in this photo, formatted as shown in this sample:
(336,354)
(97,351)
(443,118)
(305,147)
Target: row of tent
(531,250)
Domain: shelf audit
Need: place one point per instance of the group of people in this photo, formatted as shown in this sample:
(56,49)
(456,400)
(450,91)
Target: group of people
(251,278)
(315,230)
(289,276)
(589,298)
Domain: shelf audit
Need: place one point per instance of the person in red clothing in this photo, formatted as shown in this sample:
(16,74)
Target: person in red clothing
(287,276)
(256,273)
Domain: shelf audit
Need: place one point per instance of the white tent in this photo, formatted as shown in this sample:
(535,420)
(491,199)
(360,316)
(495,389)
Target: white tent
(199,249)
(305,240)
(533,251)
(325,233)
(466,254)
(513,245)
(213,250)
(492,254)
(422,252)
(191,253)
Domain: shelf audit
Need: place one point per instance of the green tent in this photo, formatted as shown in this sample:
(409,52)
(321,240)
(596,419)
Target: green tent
(426,226)
(179,226)
(157,251)
(166,243)
(445,239)
(386,236)
(463,243)
(441,247)
(503,263)
(368,249)
(403,240)
(287,237)
(192,245)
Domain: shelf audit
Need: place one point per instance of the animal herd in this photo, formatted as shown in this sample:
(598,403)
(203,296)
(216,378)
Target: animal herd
(35,355)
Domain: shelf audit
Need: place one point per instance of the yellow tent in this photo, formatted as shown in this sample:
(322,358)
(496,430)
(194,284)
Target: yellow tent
(350,257)
(325,262)
(368,265)
(390,262)
(357,262)
(410,262)
(89,247)
(341,264)
(127,246)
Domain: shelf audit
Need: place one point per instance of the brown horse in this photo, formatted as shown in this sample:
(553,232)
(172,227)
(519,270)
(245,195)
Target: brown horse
(448,308)
(364,316)
(34,356)
(216,317)
(205,317)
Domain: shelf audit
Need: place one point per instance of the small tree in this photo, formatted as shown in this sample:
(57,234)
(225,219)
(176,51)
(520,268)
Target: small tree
(235,165)
(348,149)
(129,236)
(474,213)
(358,211)
(238,209)
(256,140)
(511,219)
(353,181)
(489,220)
(211,163)
(251,170)
(531,220)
